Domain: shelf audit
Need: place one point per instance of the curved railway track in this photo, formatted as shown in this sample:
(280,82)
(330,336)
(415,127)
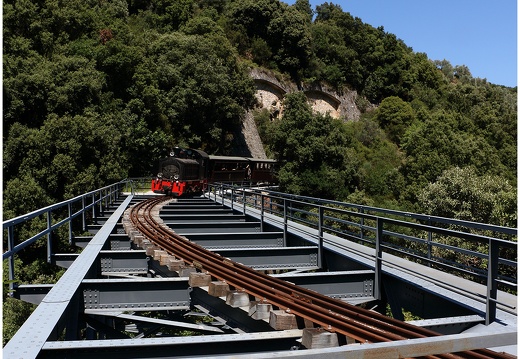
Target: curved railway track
(331,314)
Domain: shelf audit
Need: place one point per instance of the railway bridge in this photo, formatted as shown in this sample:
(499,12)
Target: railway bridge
(253,273)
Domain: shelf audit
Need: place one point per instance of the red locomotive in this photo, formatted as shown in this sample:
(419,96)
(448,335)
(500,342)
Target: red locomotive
(188,171)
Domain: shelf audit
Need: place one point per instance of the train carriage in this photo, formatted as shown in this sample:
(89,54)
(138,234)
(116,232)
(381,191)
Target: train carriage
(228,169)
(262,170)
(188,171)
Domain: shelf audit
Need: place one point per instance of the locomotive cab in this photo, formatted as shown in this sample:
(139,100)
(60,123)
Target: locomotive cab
(183,172)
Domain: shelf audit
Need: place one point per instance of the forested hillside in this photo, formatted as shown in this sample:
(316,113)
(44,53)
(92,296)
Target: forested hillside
(95,91)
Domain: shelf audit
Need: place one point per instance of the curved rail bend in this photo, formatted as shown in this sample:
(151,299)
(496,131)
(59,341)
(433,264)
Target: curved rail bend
(331,314)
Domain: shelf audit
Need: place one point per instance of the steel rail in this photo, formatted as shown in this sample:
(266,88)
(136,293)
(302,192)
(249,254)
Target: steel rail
(332,314)
(243,277)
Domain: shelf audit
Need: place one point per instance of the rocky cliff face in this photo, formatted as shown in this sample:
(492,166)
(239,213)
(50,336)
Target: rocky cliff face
(270,92)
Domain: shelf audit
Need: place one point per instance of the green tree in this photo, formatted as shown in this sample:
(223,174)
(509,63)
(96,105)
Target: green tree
(328,11)
(23,195)
(193,87)
(446,68)
(439,142)
(254,16)
(304,7)
(15,313)
(380,161)
(118,60)
(313,150)
(63,84)
(395,116)
(290,38)
(463,194)
(170,15)
(336,62)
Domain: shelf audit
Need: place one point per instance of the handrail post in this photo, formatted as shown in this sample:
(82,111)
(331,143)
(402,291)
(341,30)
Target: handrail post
(321,254)
(94,218)
(244,199)
(262,212)
(49,237)
(361,224)
(101,210)
(10,246)
(232,196)
(492,287)
(285,222)
(430,238)
(111,192)
(83,214)
(70,222)
(378,260)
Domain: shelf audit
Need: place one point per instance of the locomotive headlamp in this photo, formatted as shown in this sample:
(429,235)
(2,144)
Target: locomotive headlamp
(176,177)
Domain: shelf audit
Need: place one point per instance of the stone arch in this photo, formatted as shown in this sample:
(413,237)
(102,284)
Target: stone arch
(323,102)
(270,96)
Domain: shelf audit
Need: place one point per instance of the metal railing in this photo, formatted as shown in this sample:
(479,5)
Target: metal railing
(481,252)
(434,241)
(91,205)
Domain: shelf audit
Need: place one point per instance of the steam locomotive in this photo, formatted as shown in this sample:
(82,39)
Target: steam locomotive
(188,171)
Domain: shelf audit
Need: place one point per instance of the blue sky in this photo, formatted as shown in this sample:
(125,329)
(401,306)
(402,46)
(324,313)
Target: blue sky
(481,34)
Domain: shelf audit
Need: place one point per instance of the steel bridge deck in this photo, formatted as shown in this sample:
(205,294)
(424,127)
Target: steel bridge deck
(108,277)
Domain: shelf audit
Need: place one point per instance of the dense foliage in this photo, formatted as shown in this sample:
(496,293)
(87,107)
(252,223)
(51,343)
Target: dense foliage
(96,91)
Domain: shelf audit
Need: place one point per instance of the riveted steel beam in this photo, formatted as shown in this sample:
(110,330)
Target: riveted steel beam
(347,285)
(237,240)
(119,242)
(64,260)
(185,228)
(208,218)
(123,261)
(139,294)
(32,293)
(274,258)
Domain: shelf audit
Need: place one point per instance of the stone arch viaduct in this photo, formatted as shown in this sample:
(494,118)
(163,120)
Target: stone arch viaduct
(270,93)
